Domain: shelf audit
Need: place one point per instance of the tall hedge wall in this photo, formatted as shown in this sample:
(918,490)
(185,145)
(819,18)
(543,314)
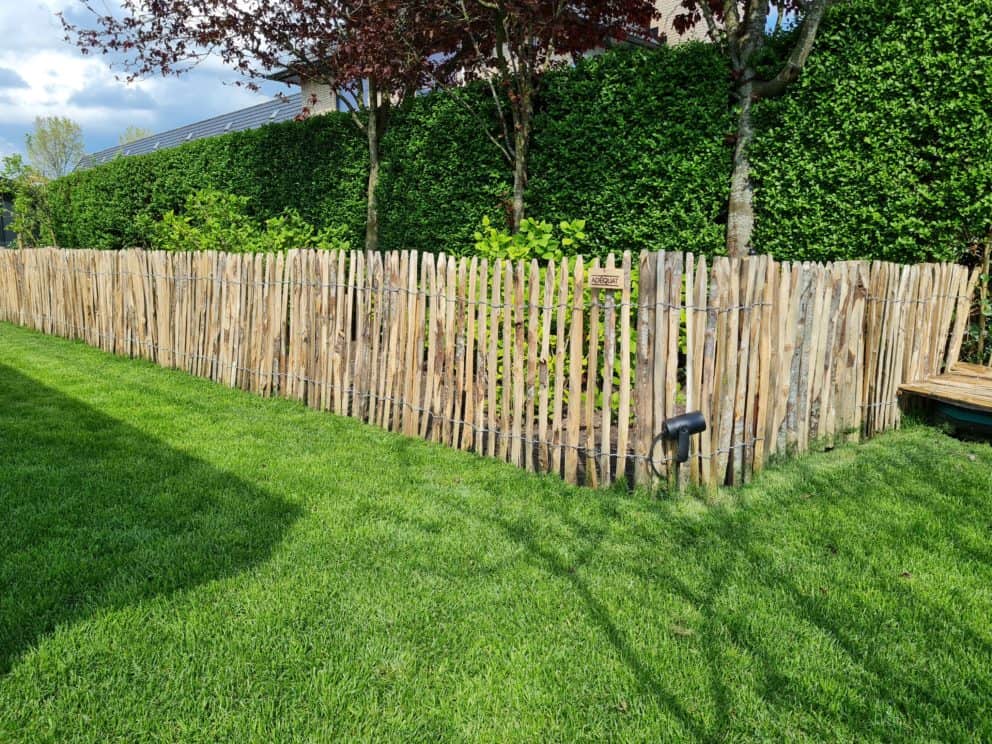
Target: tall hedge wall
(884,146)
(315,166)
(631,140)
(883,149)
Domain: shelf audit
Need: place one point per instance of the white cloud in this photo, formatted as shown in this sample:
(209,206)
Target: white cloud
(54,78)
(30,24)
(51,77)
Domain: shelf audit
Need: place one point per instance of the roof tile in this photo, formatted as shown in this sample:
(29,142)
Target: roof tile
(277,110)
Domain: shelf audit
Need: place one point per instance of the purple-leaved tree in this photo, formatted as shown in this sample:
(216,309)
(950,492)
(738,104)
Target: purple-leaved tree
(376,53)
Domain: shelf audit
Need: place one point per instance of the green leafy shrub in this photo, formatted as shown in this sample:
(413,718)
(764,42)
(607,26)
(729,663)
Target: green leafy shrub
(32,211)
(534,239)
(216,221)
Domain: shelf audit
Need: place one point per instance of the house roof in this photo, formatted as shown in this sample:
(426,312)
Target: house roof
(280,109)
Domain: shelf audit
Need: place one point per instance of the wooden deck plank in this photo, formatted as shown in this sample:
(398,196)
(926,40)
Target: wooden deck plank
(975,397)
(951,386)
(973,370)
(960,380)
(966,385)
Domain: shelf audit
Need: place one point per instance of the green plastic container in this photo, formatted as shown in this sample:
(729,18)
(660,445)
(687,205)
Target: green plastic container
(977,422)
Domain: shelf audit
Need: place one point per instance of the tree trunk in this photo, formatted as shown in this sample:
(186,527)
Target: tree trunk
(522,110)
(372,204)
(740,210)
(519,178)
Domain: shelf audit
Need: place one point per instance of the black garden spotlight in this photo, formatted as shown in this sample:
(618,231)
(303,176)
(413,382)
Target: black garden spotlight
(679,428)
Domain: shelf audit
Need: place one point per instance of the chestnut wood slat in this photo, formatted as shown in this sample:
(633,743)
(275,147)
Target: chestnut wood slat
(536,363)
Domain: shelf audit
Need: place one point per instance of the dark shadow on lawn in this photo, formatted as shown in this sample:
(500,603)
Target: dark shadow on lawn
(728,545)
(99,515)
(827,562)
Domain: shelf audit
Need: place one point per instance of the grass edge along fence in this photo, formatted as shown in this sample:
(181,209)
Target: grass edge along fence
(534,364)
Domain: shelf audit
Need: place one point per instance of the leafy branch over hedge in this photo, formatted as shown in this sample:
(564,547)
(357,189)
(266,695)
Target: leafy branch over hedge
(631,139)
(882,149)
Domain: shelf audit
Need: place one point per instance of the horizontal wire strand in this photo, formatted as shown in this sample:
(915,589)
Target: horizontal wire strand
(377,285)
(369,395)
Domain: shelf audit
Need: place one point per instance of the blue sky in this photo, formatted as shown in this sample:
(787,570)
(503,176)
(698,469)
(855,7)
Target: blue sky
(43,75)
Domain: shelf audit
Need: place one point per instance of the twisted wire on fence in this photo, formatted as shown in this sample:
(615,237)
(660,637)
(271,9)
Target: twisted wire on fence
(775,355)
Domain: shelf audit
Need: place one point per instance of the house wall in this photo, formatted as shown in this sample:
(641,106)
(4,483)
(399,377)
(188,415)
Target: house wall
(669,9)
(318,97)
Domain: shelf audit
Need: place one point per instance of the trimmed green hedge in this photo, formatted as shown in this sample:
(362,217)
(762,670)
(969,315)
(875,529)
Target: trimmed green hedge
(314,165)
(646,169)
(883,149)
(634,144)
(884,146)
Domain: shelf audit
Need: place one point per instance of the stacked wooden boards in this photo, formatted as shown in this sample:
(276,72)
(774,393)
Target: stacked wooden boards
(962,385)
(534,364)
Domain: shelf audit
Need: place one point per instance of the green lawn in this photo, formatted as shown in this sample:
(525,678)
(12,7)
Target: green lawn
(183,562)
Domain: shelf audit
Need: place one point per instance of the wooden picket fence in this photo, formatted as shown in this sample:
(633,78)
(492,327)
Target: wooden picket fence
(550,367)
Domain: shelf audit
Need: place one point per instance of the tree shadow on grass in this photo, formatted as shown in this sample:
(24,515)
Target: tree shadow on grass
(99,515)
(810,576)
(830,590)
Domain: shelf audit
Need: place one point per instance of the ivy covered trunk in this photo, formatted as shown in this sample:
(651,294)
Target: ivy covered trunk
(374,133)
(740,210)
(519,178)
(522,107)
(983,298)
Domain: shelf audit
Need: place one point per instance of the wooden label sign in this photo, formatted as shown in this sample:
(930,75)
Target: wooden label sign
(606,279)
